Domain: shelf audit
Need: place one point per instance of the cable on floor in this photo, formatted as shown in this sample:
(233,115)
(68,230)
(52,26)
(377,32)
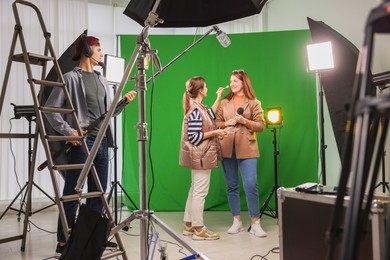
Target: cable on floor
(274,250)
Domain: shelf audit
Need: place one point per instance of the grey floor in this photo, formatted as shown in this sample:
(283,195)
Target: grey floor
(41,238)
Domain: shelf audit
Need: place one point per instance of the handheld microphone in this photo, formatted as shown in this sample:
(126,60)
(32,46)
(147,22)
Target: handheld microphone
(223,39)
(240,110)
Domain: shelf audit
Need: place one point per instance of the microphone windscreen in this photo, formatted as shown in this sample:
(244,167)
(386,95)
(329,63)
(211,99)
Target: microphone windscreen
(223,39)
(240,110)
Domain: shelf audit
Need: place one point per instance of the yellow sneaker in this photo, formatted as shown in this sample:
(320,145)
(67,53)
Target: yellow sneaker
(205,234)
(188,231)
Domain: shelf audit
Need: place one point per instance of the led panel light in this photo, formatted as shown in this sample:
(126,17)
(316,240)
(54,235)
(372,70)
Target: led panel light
(319,57)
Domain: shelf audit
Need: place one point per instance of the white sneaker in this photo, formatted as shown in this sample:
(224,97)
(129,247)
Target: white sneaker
(236,227)
(257,230)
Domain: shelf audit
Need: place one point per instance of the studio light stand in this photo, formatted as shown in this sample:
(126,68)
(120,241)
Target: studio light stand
(29,113)
(320,59)
(113,69)
(274,120)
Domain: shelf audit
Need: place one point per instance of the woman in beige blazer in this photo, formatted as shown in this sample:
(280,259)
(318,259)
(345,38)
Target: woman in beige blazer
(241,113)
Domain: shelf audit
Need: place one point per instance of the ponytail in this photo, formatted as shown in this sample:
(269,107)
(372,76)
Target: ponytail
(186,102)
(193,86)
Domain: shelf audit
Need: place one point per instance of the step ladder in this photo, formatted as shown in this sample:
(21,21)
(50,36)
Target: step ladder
(32,59)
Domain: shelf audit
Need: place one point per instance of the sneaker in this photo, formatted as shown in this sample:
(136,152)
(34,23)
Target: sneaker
(188,231)
(59,248)
(205,234)
(236,227)
(257,230)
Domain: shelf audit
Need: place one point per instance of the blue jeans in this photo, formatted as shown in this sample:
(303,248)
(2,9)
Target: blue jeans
(76,155)
(248,170)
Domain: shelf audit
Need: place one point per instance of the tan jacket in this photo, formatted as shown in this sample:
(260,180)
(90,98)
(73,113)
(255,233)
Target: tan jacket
(244,139)
(207,154)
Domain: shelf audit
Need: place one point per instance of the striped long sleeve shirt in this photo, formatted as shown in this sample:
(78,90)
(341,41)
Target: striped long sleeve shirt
(195,134)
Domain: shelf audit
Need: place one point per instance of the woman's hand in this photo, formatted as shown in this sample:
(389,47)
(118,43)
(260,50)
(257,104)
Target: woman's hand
(220,92)
(230,122)
(240,119)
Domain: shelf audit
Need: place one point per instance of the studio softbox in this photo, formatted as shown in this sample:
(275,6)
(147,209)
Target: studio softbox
(66,64)
(337,83)
(193,13)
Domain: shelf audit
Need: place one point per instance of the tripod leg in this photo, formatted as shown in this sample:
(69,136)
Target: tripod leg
(29,189)
(12,202)
(127,195)
(265,206)
(113,190)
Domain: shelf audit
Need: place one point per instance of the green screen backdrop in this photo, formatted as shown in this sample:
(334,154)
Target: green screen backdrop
(275,62)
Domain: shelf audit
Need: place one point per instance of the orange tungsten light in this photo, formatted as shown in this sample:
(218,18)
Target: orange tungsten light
(273,117)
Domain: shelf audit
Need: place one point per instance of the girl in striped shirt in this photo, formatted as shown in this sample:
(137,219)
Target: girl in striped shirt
(199,151)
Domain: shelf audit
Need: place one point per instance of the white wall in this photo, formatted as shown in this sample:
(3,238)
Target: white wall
(63,29)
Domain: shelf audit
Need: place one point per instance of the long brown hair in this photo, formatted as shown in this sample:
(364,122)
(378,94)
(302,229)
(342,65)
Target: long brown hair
(193,86)
(246,85)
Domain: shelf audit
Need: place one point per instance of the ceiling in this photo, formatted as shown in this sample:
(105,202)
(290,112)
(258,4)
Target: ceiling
(110,2)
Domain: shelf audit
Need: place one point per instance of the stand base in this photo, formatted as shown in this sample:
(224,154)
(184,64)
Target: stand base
(27,213)
(20,211)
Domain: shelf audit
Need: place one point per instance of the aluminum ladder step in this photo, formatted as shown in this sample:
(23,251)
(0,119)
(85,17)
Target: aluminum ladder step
(34,58)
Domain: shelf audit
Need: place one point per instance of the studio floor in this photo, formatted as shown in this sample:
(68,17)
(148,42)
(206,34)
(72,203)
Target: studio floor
(41,238)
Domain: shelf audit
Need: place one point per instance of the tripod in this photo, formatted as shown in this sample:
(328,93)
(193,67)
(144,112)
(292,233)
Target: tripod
(26,186)
(272,213)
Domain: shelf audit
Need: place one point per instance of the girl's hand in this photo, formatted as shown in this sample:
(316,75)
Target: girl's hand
(130,96)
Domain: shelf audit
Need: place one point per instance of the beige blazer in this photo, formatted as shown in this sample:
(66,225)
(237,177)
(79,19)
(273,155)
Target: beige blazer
(244,139)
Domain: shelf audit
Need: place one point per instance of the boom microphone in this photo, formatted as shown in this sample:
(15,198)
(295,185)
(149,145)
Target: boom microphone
(100,63)
(240,110)
(223,39)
